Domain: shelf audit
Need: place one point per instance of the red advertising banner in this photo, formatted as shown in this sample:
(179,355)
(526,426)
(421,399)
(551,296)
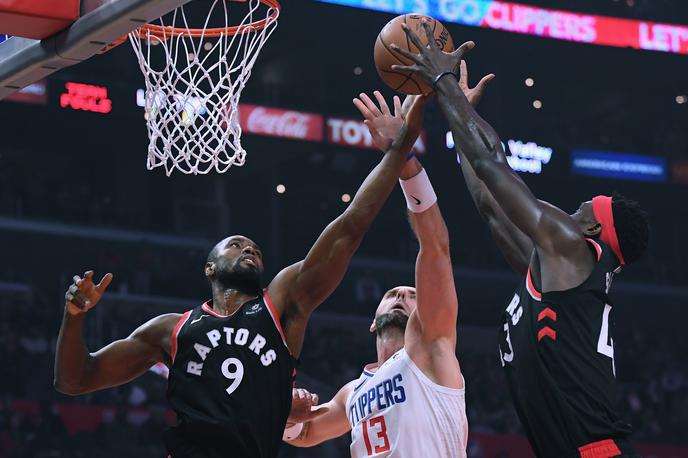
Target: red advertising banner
(586,28)
(277,122)
(543,22)
(354,133)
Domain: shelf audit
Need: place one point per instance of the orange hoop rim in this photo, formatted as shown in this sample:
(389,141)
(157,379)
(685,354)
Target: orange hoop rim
(166,32)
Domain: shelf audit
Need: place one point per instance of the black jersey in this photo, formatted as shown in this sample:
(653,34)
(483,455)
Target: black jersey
(557,350)
(230,383)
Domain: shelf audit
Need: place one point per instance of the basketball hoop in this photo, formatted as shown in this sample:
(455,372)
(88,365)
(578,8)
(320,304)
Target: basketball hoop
(194,79)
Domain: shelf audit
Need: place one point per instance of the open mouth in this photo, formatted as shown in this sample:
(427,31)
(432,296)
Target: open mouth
(250,260)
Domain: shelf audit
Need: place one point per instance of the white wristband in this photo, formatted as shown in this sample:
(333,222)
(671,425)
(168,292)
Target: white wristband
(292,432)
(418,192)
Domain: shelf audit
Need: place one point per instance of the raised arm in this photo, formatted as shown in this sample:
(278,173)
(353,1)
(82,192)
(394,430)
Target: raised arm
(547,226)
(297,290)
(430,337)
(77,371)
(329,425)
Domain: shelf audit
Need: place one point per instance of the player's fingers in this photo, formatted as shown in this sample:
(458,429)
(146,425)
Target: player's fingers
(370,104)
(463,75)
(76,279)
(428,33)
(407,54)
(104,282)
(363,109)
(413,37)
(382,102)
(73,299)
(314,399)
(88,275)
(463,49)
(483,82)
(398,111)
(406,68)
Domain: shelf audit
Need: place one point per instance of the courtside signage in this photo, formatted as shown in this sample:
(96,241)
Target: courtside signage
(350,132)
(86,97)
(543,22)
(277,122)
(618,165)
(522,156)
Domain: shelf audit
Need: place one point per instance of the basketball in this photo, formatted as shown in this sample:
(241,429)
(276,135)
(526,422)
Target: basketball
(385,57)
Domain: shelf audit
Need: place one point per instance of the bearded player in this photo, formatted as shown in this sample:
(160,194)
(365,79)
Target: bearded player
(556,343)
(232,359)
(410,403)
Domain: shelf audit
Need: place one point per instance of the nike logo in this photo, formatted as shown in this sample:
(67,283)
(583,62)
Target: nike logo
(198,319)
(416,199)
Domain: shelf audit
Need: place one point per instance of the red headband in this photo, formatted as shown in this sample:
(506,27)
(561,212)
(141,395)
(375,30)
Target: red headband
(602,208)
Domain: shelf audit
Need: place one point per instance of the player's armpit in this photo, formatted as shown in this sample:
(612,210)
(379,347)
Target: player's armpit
(120,361)
(329,425)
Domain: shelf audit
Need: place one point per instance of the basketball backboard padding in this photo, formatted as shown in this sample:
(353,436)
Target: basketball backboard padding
(24,61)
(37,20)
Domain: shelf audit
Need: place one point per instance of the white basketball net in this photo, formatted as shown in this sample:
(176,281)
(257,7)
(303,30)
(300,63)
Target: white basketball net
(191,101)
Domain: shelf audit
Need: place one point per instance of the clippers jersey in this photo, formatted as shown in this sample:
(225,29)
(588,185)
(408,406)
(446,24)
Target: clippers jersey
(398,411)
(230,383)
(557,350)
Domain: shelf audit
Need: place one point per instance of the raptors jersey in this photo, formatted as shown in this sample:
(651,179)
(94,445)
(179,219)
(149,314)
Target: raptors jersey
(230,383)
(399,412)
(557,350)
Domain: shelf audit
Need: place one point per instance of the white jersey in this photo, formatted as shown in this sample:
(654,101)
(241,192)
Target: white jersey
(399,412)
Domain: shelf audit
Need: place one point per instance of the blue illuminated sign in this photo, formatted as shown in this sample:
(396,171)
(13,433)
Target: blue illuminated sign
(616,165)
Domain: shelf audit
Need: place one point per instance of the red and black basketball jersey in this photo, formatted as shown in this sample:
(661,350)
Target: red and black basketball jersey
(230,383)
(557,350)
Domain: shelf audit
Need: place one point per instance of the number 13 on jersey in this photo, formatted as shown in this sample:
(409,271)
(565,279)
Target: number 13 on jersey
(376,428)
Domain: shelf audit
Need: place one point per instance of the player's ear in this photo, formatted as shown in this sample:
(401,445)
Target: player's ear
(210,269)
(373,328)
(593,230)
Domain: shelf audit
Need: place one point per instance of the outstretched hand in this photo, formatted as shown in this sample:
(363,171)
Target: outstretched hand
(303,406)
(473,94)
(431,62)
(83,294)
(385,128)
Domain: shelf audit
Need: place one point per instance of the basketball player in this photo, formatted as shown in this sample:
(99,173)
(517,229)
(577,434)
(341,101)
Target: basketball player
(410,403)
(232,359)
(556,341)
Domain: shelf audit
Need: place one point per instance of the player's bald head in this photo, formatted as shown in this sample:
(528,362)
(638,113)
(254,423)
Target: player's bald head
(219,246)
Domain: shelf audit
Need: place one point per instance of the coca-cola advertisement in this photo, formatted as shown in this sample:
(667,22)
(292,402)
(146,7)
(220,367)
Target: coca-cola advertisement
(277,122)
(349,132)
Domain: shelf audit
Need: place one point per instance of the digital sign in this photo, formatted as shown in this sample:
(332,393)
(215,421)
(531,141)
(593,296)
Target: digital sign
(543,22)
(522,156)
(277,122)
(618,165)
(349,132)
(86,97)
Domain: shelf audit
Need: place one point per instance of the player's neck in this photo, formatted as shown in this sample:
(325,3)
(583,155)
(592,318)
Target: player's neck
(228,300)
(387,344)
